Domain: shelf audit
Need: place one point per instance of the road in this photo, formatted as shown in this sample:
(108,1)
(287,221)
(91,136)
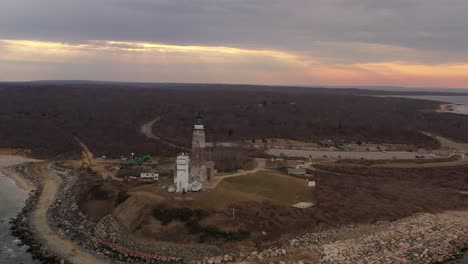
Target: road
(463,160)
(333,154)
(451,144)
(65,248)
(372,155)
(147,130)
(445,143)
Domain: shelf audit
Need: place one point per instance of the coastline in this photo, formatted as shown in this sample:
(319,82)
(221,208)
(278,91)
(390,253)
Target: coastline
(447,108)
(9,170)
(21,182)
(15,168)
(441,228)
(20,225)
(447,104)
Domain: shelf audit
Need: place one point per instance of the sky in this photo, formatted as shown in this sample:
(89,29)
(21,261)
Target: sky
(411,43)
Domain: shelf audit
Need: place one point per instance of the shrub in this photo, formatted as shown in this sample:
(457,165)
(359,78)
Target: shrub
(121,197)
(182,214)
(216,233)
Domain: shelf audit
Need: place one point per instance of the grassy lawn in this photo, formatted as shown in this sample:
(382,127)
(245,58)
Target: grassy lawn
(260,186)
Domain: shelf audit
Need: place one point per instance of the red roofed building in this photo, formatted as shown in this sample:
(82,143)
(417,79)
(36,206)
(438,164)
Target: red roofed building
(310,181)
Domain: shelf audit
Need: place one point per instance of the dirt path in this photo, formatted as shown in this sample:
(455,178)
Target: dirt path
(147,130)
(261,163)
(54,241)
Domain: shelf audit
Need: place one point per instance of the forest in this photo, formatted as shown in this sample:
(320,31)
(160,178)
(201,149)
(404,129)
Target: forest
(45,117)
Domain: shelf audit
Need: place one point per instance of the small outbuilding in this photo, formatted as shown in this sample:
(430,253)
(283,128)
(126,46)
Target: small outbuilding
(327,143)
(149,176)
(310,181)
(297,171)
(302,205)
(171,189)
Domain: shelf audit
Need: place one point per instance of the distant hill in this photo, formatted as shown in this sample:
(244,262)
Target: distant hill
(361,90)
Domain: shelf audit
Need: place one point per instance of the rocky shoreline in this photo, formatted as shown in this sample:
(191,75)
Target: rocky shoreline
(65,217)
(423,238)
(20,226)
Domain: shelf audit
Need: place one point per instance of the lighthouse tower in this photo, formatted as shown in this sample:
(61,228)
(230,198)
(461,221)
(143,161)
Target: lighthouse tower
(198,161)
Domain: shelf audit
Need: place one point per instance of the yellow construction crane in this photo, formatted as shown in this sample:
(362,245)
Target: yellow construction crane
(86,158)
(86,162)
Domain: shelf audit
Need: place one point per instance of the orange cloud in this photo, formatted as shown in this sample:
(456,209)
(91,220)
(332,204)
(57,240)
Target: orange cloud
(186,63)
(401,68)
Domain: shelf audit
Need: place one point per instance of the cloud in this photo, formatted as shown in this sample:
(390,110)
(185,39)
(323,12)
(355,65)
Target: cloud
(140,61)
(30,50)
(273,24)
(147,61)
(252,37)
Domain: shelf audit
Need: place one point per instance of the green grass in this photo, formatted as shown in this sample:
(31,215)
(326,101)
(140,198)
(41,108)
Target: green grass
(261,186)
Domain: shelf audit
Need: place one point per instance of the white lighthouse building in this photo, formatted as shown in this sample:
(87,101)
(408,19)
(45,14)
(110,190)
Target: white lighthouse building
(198,171)
(191,173)
(181,179)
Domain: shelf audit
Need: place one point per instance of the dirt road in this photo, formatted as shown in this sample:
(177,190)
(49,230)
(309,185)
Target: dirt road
(147,130)
(52,239)
(261,163)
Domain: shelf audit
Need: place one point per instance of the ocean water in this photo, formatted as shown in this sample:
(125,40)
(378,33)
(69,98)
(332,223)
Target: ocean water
(11,202)
(462,101)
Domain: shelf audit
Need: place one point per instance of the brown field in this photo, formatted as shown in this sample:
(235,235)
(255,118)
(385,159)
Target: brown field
(261,202)
(46,118)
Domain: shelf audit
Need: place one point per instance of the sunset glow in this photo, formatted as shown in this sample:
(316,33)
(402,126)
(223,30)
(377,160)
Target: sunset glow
(272,66)
(297,42)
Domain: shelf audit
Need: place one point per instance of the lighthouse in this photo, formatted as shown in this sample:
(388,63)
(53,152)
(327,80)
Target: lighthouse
(198,170)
